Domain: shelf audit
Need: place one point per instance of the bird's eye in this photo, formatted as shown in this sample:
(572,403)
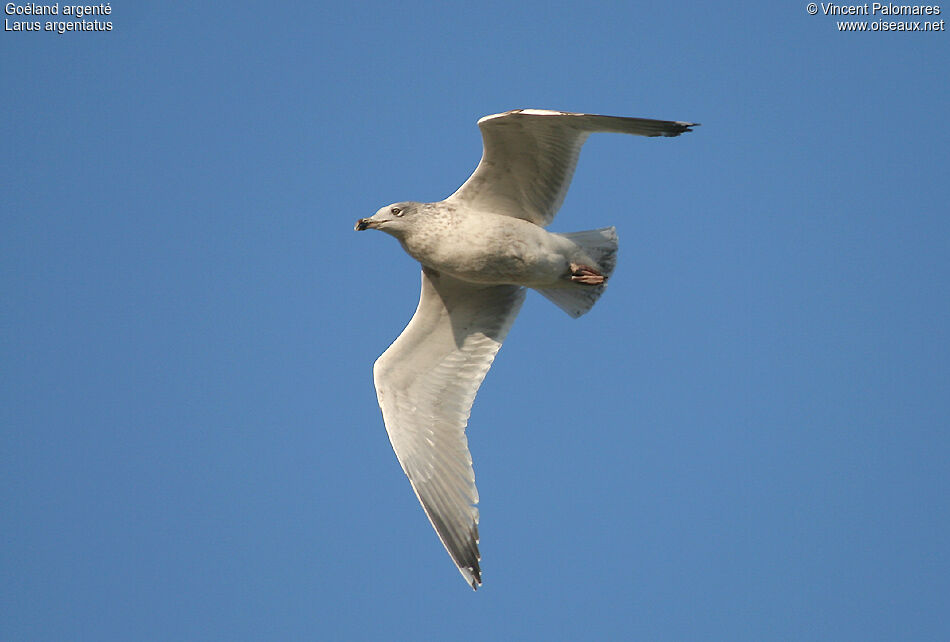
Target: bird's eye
(396,211)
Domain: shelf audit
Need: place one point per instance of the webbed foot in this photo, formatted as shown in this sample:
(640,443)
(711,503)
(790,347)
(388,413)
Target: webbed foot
(586,275)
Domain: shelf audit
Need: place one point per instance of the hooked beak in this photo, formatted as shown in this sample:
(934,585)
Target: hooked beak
(364,224)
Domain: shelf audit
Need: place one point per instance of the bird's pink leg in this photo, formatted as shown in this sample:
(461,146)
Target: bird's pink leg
(586,275)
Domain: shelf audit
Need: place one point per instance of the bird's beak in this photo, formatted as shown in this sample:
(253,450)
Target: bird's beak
(364,224)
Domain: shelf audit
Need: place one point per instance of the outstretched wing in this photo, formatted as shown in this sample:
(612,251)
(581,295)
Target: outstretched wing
(426,382)
(530,154)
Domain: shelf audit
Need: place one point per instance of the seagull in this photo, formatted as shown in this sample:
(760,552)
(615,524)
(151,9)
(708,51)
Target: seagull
(480,249)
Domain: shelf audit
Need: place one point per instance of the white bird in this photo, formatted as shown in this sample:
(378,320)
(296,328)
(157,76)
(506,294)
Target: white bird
(479,248)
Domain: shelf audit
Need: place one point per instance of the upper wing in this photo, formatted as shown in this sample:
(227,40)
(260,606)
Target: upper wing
(426,382)
(530,154)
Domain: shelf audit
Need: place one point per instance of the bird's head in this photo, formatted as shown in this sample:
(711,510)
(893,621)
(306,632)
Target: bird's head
(393,219)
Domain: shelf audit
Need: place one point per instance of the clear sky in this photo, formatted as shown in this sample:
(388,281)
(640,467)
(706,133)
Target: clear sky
(746,439)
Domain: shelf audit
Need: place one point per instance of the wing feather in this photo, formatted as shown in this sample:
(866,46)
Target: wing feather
(426,382)
(529,158)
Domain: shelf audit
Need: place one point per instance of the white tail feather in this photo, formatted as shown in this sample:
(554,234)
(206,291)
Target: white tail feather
(601,247)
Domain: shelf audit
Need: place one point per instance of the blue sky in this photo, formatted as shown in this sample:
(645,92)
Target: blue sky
(745,439)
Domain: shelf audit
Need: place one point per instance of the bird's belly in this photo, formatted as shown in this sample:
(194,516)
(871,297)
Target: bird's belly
(513,252)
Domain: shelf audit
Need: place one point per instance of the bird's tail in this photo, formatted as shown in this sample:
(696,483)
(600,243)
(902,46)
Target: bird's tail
(600,246)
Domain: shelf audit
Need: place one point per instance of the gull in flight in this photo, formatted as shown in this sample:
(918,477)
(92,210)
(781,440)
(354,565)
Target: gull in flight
(479,249)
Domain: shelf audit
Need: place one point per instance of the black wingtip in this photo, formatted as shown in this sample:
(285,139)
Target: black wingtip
(679,127)
(474,575)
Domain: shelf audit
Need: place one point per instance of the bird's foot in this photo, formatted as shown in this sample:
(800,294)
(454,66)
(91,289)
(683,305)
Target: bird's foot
(586,275)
